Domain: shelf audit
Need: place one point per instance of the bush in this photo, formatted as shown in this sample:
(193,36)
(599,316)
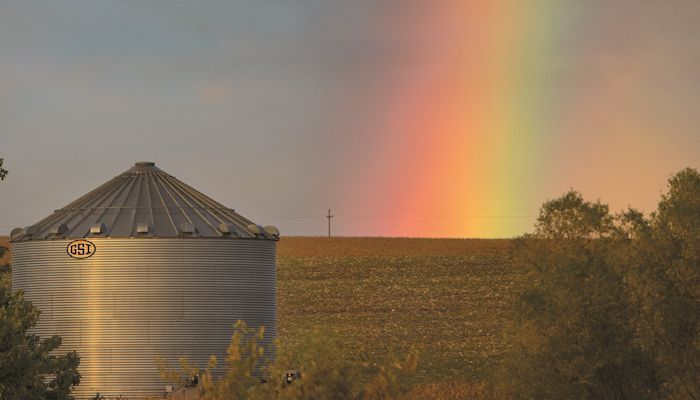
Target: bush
(451,391)
(321,372)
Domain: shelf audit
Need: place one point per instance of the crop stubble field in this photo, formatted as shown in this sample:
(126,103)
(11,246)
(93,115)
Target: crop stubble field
(446,297)
(381,296)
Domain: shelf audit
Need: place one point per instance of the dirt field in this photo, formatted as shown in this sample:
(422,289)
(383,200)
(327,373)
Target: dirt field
(447,297)
(379,246)
(381,296)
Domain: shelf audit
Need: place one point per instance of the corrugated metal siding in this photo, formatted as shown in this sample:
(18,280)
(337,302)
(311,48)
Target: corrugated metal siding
(136,299)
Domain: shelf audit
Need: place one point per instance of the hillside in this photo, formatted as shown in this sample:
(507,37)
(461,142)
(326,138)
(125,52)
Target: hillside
(381,296)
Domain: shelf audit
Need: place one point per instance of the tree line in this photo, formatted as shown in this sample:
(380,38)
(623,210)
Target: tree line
(612,305)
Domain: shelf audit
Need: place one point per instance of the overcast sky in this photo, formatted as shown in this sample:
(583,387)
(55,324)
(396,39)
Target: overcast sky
(262,104)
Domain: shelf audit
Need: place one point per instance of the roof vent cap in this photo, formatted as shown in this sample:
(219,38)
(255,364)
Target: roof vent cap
(255,229)
(17,232)
(272,230)
(59,229)
(187,229)
(98,228)
(226,228)
(142,227)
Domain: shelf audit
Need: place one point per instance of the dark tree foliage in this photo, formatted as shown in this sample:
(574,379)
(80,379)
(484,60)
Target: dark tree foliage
(664,279)
(29,367)
(573,333)
(3,171)
(611,307)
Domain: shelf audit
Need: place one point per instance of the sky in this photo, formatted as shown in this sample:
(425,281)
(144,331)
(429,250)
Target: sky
(418,118)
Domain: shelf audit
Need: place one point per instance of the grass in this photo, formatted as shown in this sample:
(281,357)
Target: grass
(380,297)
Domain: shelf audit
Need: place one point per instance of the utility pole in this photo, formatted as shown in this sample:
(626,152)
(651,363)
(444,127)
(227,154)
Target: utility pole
(329,216)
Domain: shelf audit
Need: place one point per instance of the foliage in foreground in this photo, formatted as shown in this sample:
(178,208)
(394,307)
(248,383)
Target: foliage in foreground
(321,372)
(25,359)
(613,306)
(451,391)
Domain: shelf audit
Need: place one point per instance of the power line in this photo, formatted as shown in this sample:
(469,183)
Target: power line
(402,216)
(435,216)
(296,217)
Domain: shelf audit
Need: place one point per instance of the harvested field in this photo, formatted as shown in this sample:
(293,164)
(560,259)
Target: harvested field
(381,296)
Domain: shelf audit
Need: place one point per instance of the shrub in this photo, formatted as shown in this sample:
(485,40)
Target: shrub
(451,391)
(321,372)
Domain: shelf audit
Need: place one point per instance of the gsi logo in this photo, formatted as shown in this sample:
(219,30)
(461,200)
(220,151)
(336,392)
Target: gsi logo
(81,248)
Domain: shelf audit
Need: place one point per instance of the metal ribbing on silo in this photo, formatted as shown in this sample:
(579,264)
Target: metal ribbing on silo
(144,194)
(136,299)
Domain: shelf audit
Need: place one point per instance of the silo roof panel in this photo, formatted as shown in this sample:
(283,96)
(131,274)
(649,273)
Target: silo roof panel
(144,194)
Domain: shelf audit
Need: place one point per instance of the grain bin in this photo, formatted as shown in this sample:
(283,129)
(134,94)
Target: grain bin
(145,266)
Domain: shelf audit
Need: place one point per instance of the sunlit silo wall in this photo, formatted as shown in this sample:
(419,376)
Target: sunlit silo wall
(135,298)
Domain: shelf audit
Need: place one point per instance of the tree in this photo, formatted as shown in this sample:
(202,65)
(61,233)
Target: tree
(611,307)
(25,359)
(29,367)
(664,279)
(573,328)
(3,171)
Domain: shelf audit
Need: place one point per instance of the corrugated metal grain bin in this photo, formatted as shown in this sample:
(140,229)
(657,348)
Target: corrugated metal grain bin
(141,267)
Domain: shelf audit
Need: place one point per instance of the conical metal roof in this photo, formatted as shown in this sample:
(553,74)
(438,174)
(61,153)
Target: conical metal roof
(144,202)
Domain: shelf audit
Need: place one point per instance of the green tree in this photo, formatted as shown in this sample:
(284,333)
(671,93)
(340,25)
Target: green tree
(574,332)
(664,279)
(29,367)
(3,171)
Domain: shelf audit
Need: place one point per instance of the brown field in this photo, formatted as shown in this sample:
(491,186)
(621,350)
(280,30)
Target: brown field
(380,297)
(380,246)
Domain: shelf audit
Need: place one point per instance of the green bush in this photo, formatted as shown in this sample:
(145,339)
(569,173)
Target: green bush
(322,372)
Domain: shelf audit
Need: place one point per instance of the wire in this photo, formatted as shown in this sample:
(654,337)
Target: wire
(299,217)
(435,216)
(402,216)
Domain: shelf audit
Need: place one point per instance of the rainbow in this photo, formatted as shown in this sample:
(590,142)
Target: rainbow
(465,121)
